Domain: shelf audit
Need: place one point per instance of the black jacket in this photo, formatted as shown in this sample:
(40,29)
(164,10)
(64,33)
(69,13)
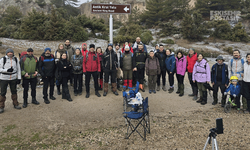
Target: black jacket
(46,65)
(109,61)
(161,57)
(65,67)
(139,59)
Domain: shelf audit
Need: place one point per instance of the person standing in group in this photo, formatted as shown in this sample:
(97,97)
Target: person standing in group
(29,71)
(10,74)
(110,66)
(236,68)
(65,67)
(126,66)
(127,44)
(100,55)
(181,66)
(137,43)
(170,66)
(201,75)
(77,61)
(70,49)
(157,48)
(91,66)
(47,70)
(246,81)
(161,55)
(58,53)
(118,74)
(139,59)
(152,70)
(191,60)
(84,49)
(219,79)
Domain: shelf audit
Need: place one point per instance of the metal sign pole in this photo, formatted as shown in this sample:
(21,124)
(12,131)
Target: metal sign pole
(111,28)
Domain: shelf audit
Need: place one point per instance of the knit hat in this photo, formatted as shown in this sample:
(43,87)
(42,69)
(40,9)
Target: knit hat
(110,45)
(92,46)
(9,50)
(220,58)
(47,49)
(126,47)
(29,50)
(117,44)
(84,44)
(192,49)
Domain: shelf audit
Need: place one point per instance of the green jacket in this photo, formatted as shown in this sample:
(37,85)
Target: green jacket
(28,64)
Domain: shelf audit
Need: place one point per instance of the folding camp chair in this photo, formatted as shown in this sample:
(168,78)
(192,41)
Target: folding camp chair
(141,117)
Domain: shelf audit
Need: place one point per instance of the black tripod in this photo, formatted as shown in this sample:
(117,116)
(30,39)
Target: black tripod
(212,136)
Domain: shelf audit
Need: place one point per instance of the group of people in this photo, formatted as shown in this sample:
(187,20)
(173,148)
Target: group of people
(133,62)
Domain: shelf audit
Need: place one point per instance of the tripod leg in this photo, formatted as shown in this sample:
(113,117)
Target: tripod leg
(215,144)
(206,143)
(212,143)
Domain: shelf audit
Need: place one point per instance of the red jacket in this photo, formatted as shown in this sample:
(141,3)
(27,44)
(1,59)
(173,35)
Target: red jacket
(92,64)
(131,49)
(84,53)
(191,61)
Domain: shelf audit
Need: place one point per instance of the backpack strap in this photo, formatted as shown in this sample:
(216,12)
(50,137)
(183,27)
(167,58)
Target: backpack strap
(4,61)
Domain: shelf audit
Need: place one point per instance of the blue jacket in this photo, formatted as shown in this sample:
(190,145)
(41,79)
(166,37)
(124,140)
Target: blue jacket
(234,89)
(170,63)
(225,79)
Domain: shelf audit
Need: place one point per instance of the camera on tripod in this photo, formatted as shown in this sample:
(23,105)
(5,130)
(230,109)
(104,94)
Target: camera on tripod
(213,133)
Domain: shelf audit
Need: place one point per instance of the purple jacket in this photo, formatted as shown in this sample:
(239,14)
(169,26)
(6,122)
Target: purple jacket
(201,71)
(181,65)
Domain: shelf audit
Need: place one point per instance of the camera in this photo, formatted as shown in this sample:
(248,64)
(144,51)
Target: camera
(219,126)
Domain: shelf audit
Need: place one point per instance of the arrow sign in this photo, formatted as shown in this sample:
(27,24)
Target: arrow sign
(126,9)
(110,9)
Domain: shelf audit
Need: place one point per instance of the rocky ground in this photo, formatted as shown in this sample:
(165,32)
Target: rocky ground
(177,123)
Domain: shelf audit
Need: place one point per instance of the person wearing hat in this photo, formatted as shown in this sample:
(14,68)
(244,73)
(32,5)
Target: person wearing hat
(91,67)
(191,60)
(10,74)
(219,79)
(126,66)
(110,66)
(127,44)
(47,69)
(84,49)
(29,71)
(118,75)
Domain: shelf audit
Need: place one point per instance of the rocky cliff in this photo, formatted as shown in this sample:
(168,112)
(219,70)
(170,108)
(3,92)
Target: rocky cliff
(25,5)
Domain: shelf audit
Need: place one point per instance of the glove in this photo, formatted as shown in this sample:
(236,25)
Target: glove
(225,93)
(18,81)
(234,95)
(10,70)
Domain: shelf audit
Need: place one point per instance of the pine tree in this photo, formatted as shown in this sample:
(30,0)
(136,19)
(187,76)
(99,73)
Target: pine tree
(11,15)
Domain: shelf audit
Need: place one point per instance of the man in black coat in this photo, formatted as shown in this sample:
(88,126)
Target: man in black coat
(161,55)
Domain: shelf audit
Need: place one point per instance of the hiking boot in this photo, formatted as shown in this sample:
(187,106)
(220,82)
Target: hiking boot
(97,94)
(178,92)
(158,88)
(116,93)
(239,111)
(164,88)
(149,91)
(80,93)
(17,107)
(87,95)
(203,102)
(25,103)
(154,91)
(171,90)
(222,105)
(191,95)
(181,95)
(75,94)
(105,93)
(119,89)
(204,98)
(70,100)
(214,103)
(199,101)
(58,90)
(52,97)
(46,101)
(195,97)
(34,101)
(1,110)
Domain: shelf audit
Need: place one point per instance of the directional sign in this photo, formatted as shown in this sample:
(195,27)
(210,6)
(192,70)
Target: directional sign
(110,9)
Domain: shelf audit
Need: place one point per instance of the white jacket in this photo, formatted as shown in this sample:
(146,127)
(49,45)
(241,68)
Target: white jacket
(246,76)
(16,74)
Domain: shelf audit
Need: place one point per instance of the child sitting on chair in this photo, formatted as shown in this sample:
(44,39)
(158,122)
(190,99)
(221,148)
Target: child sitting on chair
(152,70)
(234,89)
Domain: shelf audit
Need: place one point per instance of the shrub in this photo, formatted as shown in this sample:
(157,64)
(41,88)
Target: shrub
(239,34)
(228,50)
(146,37)
(168,41)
